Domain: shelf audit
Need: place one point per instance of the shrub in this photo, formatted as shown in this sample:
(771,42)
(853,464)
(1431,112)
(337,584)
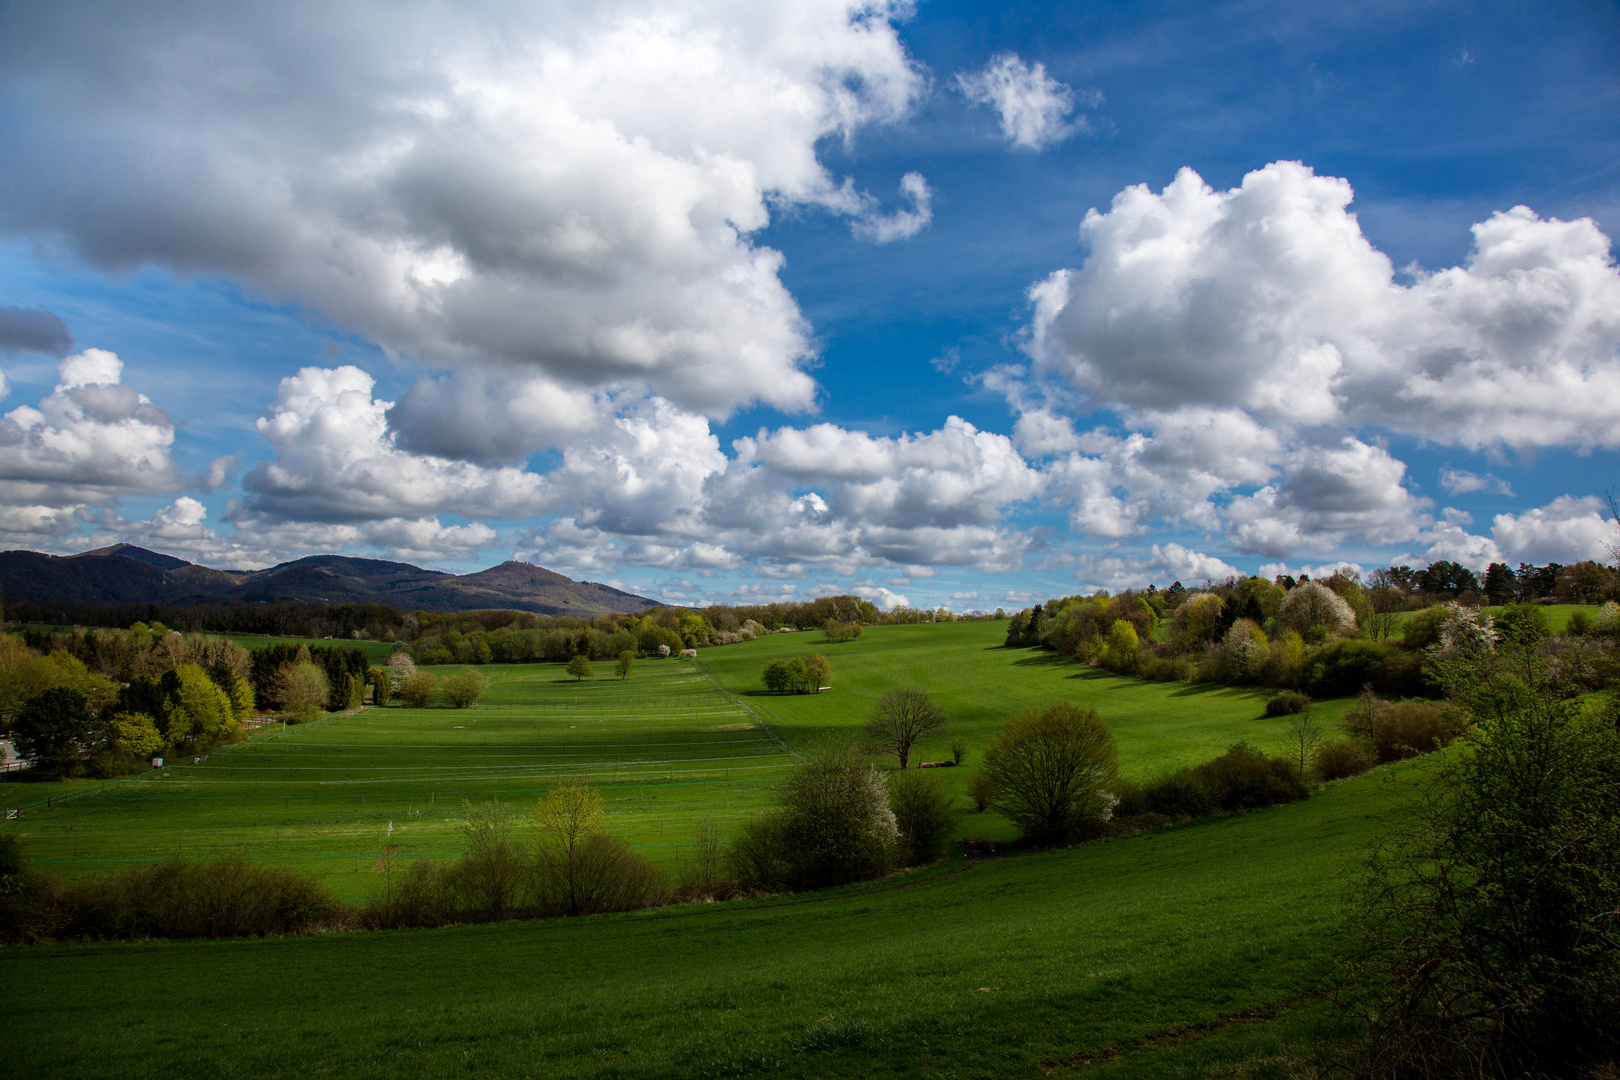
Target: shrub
(1119,652)
(1051,772)
(494,871)
(1341,758)
(1245,779)
(1177,794)
(1484,936)
(382,686)
(1410,728)
(832,825)
(1423,628)
(176,899)
(417,689)
(421,895)
(924,814)
(978,789)
(465,687)
(1346,666)
(1287,703)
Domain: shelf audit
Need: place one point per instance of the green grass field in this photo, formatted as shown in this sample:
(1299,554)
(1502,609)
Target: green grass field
(1197,950)
(347,797)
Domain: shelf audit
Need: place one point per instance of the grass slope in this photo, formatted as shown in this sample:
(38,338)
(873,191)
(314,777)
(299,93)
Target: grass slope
(979,683)
(346,797)
(1145,956)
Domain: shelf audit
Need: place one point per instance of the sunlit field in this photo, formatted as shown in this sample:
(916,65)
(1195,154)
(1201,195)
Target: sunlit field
(346,798)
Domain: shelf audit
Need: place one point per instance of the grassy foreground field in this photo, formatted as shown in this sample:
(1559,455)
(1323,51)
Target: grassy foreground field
(1198,950)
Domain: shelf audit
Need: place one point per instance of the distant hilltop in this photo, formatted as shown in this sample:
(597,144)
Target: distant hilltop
(126,574)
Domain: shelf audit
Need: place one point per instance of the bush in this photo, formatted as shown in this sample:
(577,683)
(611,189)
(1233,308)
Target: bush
(1241,779)
(1245,779)
(925,815)
(1409,729)
(1051,772)
(176,899)
(1346,666)
(832,825)
(465,687)
(417,689)
(1287,703)
(1341,758)
(1485,938)
(421,895)
(602,874)
(978,789)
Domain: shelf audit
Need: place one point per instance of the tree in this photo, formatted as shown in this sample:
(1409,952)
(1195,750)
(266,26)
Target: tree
(1501,585)
(465,687)
(778,675)
(1052,772)
(1448,579)
(382,686)
(1118,653)
(626,664)
(303,689)
(902,717)
(418,688)
(580,668)
(580,868)
(53,730)
(1315,611)
(1487,942)
(1300,739)
(400,665)
(817,672)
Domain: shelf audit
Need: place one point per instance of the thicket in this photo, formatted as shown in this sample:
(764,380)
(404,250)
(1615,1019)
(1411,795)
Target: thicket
(1324,638)
(106,702)
(1485,930)
(796,675)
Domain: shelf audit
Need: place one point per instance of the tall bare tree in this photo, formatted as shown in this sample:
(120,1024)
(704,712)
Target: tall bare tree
(901,718)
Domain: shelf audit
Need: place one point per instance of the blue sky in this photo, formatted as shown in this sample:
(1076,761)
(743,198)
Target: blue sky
(723,305)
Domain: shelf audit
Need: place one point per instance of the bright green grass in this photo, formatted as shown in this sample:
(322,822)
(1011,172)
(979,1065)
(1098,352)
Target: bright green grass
(979,684)
(1148,955)
(665,746)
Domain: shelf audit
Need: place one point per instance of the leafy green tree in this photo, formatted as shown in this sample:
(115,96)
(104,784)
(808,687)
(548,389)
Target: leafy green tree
(382,686)
(1052,772)
(779,676)
(580,668)
(1120,651)
(303,690)
(902,717)
(53,730)
(817,672)
(1501,585)
(626,664)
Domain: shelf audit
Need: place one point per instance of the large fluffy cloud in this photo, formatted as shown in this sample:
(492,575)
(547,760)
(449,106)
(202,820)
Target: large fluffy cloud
(567,189)
(336,463)
(89,442)
(1269,299)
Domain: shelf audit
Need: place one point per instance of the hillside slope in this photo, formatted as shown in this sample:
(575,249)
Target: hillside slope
(125,574)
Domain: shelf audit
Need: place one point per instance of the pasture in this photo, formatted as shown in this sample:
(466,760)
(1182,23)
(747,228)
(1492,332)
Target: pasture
(1196,950)
(347,797)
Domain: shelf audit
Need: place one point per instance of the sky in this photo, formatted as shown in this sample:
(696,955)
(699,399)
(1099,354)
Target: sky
(941,304)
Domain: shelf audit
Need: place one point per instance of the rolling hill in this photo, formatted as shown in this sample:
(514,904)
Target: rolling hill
(125,574)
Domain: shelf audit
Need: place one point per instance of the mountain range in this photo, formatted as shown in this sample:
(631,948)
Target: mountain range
(126,574)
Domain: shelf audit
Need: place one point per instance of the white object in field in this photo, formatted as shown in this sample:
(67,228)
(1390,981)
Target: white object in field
(821,688)
(157,763)
(689,654)
(390,828)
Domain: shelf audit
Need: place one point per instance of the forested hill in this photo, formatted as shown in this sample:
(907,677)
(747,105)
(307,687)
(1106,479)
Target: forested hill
(126,574)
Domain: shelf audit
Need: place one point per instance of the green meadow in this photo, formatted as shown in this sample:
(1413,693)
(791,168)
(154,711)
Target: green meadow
(1197,950)
(348,797)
